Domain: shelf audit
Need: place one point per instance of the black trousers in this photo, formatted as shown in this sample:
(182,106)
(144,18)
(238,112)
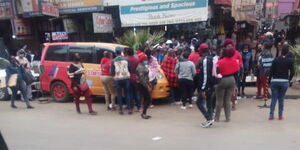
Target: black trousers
(187,89)
(208,110)
(146,96)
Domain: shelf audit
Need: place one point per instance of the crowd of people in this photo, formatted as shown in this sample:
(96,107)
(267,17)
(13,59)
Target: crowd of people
(215,70)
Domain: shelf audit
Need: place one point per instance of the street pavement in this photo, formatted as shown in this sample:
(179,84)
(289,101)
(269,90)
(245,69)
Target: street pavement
(56,126)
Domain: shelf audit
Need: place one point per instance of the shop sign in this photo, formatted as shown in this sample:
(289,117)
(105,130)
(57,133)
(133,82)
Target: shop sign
(223,2)
(244,10)
(50,9)
(79,6)
(22,27)
(5,10)
(56,36)
(161,12)
(30,8)
(102,23)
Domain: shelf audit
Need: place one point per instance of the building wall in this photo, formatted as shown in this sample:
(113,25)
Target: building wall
(285,7)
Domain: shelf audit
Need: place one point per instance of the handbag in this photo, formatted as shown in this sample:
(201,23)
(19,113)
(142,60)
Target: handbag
(28,77)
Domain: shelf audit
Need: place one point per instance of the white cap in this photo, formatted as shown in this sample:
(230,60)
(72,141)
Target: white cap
(169,42)
(269,34)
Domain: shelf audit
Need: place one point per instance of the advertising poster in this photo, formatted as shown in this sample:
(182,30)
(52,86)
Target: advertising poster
(102,23)
(5,10)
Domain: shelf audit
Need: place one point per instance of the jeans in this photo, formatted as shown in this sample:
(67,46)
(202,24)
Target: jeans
(278,93)
(21,85)
(185,88)
(123,85)
(134,95)
(208,110)
(28,91)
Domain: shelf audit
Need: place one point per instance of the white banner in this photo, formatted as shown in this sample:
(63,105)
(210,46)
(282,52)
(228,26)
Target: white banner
(102,23)
(161,12)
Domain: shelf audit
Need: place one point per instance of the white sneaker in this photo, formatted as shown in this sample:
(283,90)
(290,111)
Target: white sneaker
(190,106)
(207,123)
(183,107)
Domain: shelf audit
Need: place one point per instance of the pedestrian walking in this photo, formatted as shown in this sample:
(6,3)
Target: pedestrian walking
(144,84)
(256,71)
(281,74)
(246,54)
(168,66)
(133,91)
(228,67)
(120,72)
(15,80)
(207,87)
(153,70)
(265,62)
(79,84)
(108,81)
(21,58)
(186,71)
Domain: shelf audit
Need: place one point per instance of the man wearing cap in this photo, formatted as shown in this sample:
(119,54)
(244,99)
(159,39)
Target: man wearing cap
(120,72)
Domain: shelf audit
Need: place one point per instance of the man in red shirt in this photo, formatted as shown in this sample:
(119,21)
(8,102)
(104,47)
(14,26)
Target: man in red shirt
(133,94)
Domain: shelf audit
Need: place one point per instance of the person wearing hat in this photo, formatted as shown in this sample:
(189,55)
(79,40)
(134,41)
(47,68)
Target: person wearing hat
(144,84)
(120,71)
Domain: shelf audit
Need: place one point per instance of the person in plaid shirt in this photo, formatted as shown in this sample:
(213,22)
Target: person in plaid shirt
(168,66)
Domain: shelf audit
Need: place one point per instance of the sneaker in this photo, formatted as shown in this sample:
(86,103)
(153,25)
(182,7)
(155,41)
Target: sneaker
(271,118)
(144,116)
(191,106)
(121,112)
(207,123)
(280,118)
(183,107)
(130,112)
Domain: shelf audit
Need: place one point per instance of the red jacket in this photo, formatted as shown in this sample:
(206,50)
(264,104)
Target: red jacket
(168,66)
(228,66)
(237,56)
(194,57)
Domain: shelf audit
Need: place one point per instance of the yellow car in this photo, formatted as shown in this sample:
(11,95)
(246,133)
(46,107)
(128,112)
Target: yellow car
(56,57)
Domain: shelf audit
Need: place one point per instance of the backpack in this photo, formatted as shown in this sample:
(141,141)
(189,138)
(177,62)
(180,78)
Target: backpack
(265,61)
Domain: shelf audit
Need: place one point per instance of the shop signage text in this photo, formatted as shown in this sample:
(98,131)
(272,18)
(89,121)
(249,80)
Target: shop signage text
(56,36)
(50,9)
(79,6)
(102,23)
(5,10)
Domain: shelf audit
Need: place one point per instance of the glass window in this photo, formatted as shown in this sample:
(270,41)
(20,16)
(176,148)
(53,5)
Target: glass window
(56,53)
(85,52)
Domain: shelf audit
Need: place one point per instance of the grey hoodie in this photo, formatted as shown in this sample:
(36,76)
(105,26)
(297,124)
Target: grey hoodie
(185,69)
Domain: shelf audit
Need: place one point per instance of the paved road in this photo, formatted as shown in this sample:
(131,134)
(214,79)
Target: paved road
(56,126)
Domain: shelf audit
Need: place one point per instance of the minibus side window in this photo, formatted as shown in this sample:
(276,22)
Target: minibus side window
(85,52)
(56,53)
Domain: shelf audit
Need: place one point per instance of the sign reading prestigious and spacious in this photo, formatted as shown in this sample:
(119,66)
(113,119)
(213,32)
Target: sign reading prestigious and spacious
(160,12)
(79,6)
(102,23)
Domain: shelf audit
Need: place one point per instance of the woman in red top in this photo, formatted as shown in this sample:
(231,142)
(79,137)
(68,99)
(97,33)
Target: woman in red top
(228,67)
(108,81)
(168,66)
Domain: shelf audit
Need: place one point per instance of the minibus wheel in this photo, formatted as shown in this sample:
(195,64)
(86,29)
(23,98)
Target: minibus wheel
(59,92)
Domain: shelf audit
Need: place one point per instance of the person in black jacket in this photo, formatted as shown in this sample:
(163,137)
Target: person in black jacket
(207,87)
(281,74)
(16,68)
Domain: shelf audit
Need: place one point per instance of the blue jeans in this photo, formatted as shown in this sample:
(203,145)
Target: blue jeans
(278,93)
(123,85)
(134,95)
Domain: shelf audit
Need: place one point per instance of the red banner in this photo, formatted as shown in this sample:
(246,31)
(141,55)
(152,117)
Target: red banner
(223,2)
(50,9)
